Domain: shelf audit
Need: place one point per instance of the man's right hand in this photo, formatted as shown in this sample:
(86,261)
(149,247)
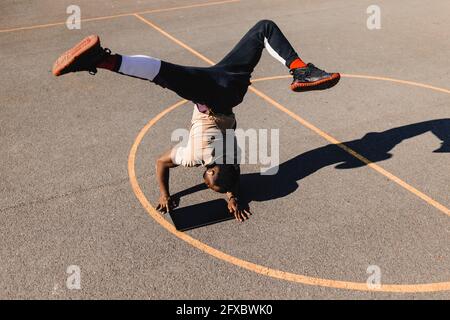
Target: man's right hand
(166,204)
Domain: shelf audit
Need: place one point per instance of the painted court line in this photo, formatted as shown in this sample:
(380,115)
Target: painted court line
(198,5)
(355,154)
(358,76)
(253,267)
(320,132)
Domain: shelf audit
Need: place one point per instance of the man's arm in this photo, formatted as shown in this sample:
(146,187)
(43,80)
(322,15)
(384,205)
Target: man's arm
(240,211)
(163,165)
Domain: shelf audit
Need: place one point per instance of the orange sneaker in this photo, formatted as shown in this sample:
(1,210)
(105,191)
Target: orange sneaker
(82,57)
(312,78)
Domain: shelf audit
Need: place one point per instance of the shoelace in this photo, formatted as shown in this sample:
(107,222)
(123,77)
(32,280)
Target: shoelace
(301,72)
(313,68)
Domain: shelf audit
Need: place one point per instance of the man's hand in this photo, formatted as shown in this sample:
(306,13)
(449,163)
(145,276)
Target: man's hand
(166,204)
(240,213)
(163,164)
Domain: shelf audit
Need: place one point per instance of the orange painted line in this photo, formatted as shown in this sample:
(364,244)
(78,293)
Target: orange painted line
(154,26)
(318,131)
(271,78)
(278,274)
(253,267)
(132,156)
(33,27)
(355,154)
(180,43)
(411,83)
(359,76)
(198,5)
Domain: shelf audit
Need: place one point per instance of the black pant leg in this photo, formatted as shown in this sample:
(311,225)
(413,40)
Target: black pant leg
(191,83)
(246,54)
(224,85)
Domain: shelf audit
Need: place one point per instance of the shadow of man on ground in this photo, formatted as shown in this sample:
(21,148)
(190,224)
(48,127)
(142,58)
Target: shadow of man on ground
(375,146)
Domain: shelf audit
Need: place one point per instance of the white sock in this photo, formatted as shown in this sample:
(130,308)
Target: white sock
(143,67)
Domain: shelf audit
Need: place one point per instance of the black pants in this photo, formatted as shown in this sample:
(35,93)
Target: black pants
(224,85)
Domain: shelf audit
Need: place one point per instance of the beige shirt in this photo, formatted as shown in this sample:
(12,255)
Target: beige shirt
(207,131)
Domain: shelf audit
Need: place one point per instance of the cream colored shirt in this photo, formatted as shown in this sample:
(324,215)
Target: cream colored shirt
(206,132)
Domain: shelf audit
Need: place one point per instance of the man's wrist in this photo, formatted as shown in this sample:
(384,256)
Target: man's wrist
(165,194)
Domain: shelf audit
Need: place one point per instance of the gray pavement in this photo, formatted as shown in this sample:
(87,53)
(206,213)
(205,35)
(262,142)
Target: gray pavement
(65,195)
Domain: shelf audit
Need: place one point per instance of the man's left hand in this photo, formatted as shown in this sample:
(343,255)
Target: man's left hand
(241,214)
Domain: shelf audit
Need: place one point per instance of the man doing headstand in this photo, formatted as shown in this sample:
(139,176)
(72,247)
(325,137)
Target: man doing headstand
(214,90)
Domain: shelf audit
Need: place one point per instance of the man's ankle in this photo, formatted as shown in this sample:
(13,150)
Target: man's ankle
(111,62)
(297,63)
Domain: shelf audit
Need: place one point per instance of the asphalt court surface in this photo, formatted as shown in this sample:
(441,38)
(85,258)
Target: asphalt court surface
(65,193)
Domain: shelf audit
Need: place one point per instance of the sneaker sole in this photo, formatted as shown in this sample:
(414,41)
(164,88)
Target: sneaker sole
(317,85)
(68,57)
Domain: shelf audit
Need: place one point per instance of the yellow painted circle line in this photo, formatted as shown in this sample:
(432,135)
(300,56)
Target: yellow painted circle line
(266,271)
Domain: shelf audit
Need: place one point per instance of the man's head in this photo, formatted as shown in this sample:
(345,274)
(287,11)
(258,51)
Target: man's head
(222,177)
